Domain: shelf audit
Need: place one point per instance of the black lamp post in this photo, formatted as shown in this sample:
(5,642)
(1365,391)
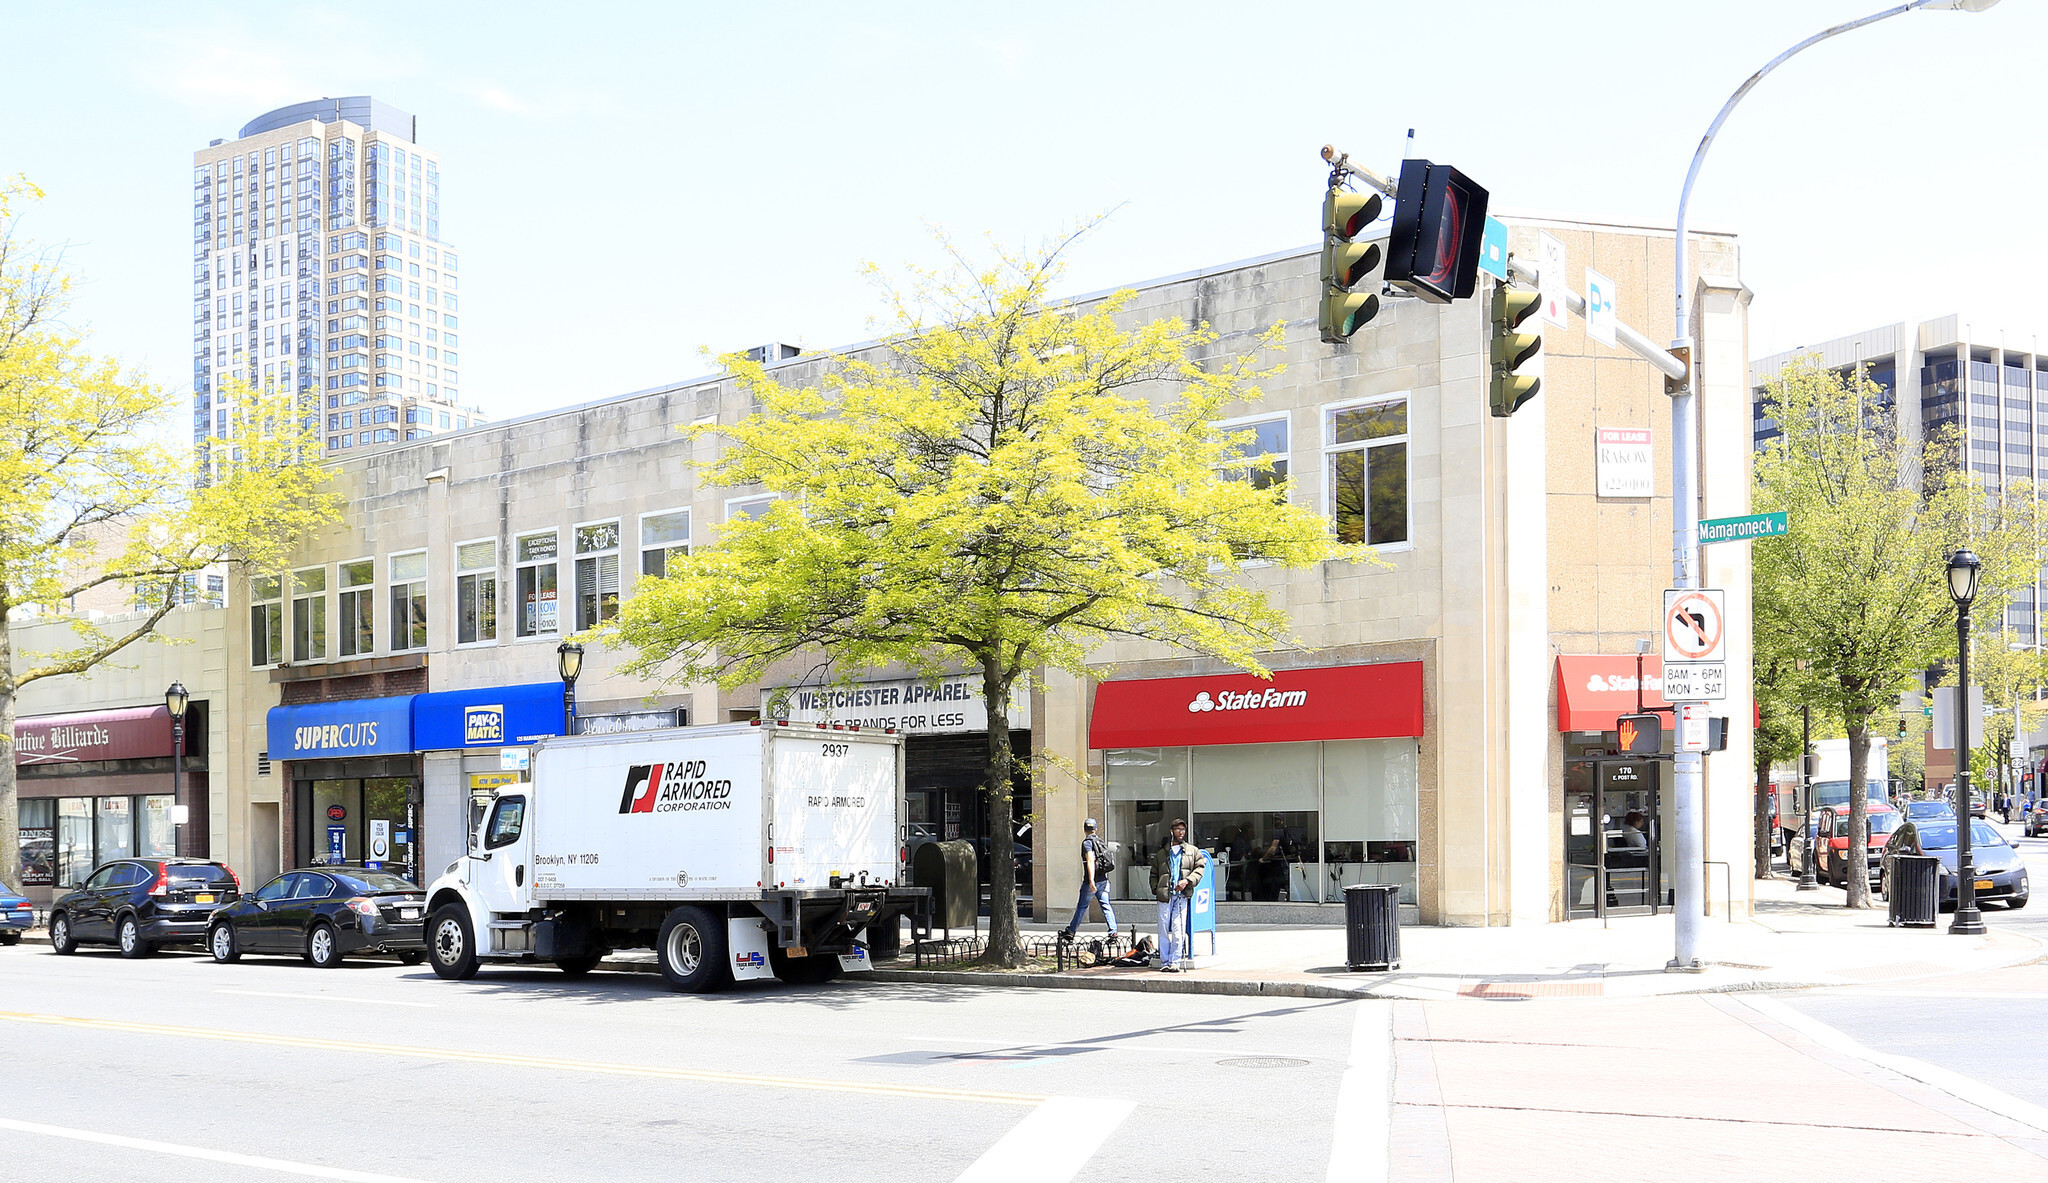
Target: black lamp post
(175,700)
(569,659)
(1962,588)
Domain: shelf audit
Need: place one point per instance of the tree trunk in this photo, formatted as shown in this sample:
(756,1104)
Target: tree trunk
(1005,942)
(1760,838)
(1857,860)
(10,812)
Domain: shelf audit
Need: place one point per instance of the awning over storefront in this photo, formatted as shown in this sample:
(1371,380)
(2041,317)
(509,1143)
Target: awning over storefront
(488,718)
(1592,690)
(333,730)
(131,733)
(1330,702)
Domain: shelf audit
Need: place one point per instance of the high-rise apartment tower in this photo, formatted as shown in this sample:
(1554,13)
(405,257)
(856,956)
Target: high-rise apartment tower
(318,266)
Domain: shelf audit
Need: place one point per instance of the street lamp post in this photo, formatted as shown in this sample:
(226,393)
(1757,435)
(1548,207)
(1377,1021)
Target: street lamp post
(1688,767)
(569,660)
(175,700)
(1807,825)
(1962,587)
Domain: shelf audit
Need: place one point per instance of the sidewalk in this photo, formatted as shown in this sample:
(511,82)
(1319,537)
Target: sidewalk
(1795,940)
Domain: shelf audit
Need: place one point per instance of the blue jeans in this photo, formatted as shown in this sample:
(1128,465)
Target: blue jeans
(1099,892)
(1173,929)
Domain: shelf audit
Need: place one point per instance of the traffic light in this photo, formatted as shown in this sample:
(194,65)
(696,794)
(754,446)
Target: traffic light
(1639,735)
(1902,727)
(1346,215)
(1505,389)
(1439,219)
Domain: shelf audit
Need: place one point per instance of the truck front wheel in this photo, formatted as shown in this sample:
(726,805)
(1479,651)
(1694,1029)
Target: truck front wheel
(451,944)
(692,950)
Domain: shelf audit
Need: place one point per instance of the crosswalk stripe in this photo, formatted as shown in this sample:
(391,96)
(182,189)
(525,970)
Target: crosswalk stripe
(227,1157)
(1052,1143)
(1362,1132)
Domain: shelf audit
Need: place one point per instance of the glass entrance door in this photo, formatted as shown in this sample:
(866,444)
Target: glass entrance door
(1613,856)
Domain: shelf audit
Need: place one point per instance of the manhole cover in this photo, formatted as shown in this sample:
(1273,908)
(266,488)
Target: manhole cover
(1263,1062)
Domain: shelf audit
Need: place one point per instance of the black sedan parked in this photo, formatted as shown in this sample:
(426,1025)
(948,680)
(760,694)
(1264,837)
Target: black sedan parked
(139,904)
(323,913)
(2001,875)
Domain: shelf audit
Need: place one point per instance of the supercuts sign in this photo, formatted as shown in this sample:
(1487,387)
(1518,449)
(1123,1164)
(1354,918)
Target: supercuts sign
(1332,702)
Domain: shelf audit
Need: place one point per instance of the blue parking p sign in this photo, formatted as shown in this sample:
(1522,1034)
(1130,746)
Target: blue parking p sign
(1493,249)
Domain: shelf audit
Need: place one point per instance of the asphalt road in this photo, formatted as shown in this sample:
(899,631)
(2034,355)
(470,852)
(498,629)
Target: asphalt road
(169,1068)
(1981,1026)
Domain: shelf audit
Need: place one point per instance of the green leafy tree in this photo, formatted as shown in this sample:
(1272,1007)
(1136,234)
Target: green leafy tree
(91,496)
(1010,483)
(1778,737)
(2009,674)
(1858,589)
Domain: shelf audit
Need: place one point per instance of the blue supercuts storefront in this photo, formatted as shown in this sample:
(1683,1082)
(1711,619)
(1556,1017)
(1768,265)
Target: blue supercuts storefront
(359,771)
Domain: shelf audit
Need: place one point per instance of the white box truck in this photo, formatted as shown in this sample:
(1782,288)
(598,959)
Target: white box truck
(737,852)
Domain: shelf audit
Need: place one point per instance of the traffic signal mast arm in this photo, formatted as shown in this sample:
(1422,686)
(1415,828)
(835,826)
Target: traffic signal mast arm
(1668,364)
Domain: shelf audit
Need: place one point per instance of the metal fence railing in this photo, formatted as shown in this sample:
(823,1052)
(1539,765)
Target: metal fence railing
(1080,953)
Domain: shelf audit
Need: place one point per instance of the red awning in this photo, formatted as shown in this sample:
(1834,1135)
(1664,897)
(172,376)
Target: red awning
(1593,690)
(1331,702)
(128,734)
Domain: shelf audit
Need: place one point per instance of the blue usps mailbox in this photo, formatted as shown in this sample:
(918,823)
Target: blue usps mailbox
(1202,907)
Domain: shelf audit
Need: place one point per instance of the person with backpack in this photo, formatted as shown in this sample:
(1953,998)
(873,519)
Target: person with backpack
(1097,861)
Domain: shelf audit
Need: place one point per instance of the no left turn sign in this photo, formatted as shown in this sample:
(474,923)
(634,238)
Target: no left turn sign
(1695,624)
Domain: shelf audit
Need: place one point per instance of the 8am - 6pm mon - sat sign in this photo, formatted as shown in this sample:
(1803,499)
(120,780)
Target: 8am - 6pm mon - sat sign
(1695,644)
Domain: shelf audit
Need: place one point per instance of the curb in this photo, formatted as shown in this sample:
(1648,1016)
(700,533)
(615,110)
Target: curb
(1231,988)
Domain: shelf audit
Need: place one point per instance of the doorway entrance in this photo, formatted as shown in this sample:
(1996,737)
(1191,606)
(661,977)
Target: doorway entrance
(1613,848)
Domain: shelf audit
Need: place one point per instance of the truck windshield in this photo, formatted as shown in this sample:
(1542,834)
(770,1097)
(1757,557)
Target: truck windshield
(1836,792)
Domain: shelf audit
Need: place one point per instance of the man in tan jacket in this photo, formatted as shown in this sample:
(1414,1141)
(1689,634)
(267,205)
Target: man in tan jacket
(1176,869)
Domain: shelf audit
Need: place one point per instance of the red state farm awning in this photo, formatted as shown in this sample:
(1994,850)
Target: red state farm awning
(1330,702)
(1593,690)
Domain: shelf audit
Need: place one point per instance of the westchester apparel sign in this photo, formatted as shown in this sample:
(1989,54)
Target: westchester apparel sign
(913,706)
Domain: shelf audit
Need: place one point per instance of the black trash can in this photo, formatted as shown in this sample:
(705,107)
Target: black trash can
(1372,926)
(1909,893)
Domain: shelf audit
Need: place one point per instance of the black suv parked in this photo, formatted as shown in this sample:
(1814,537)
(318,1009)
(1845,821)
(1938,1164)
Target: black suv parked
(139,904)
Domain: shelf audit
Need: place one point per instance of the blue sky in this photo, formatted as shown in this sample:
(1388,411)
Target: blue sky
(633,183)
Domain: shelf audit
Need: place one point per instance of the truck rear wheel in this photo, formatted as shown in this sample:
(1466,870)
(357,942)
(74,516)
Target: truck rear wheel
(451,944)
(803,971)
(692,950)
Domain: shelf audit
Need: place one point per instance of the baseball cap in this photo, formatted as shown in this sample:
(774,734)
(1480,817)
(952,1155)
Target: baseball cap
(1090,823)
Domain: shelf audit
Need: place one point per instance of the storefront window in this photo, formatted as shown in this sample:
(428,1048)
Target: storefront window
(1147,789)
(157,837)
(337,821)
(38,841)
(74,841)
(116,831)
(1293,822)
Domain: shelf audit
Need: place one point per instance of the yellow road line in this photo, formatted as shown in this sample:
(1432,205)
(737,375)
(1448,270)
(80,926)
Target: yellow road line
(468,1057)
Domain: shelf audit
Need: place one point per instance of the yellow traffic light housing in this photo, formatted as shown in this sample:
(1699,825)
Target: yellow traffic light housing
(1511,350)
(1342,312)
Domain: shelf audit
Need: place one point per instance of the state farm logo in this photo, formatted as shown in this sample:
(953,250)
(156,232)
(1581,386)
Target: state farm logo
(1231,700)
(1598,684)
(669,788)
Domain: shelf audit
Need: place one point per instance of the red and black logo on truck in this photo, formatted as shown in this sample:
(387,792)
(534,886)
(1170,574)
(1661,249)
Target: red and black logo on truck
(666,788)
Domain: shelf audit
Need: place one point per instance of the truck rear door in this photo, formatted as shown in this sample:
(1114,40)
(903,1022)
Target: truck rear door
(835,808)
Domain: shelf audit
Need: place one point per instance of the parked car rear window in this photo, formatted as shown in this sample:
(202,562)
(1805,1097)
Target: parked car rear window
(1944,837)
(198,873)
(366,881)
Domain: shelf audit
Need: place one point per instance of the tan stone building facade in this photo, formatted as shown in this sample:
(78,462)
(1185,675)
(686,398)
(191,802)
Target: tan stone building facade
(1430,732)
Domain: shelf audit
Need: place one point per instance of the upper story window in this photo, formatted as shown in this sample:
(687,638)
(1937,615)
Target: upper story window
(664,538)
(535,559)
(309,614)
(476,592)
(357,612)
(597,574)
(1365,470)
(747,507)
(1264,456)
(408,601)
(266,620)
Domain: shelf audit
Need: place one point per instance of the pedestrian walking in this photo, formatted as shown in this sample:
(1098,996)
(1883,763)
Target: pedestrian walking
(1177,869)
(1097,861)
